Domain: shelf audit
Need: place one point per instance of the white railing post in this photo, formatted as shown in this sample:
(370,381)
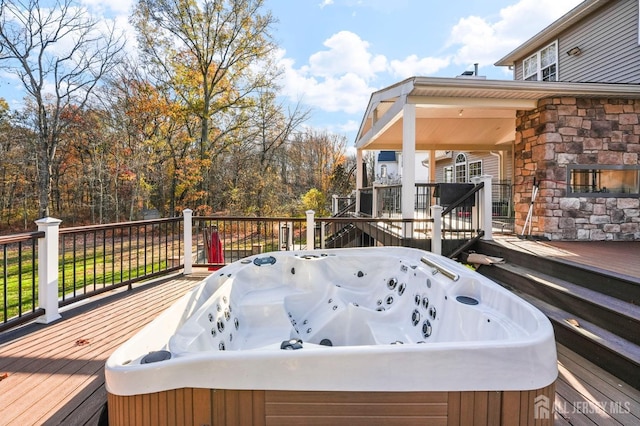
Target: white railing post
(436,232)
(310,229)
(48,269)
(486,215)
(335,204)
(188,241)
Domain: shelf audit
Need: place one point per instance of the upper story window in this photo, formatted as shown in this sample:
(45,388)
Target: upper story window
(542,65)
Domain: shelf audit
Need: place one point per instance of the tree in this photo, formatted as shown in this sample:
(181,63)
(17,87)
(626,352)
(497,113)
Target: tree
(60,54)
(17,171)
(273,129)
(215,54)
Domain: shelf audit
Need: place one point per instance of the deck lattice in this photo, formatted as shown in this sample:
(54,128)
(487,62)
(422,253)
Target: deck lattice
(55,373)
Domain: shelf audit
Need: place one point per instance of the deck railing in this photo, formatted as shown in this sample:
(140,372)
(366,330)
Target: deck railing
(45,270)
(19,276)
(51,268)
(98,258)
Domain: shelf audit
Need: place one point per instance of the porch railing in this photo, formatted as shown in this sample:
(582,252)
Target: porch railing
(19,276)
(45,270)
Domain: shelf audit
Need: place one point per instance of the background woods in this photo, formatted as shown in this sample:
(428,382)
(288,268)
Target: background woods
(189,119)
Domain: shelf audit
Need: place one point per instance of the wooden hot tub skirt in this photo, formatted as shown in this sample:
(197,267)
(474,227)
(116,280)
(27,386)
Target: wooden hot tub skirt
(192,406)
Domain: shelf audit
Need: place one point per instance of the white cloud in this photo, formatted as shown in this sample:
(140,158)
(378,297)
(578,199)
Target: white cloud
(341,92)
(117,7)
(347,53)
(414,66)
(341,76)
(479,40)
(349,126)
(336,79)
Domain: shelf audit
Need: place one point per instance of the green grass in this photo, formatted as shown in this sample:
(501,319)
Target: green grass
(17,286)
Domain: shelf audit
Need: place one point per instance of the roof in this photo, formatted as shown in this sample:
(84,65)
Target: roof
(387,156)
(464,114)
(551,32)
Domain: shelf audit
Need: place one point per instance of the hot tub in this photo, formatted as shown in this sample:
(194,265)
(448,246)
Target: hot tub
(361,328)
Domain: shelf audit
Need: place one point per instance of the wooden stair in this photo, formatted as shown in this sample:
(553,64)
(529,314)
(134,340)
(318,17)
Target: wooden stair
(593,312)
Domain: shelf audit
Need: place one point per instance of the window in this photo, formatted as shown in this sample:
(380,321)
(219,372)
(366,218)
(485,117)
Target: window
(448,174)
(604,181)
(461,168)
(475,168)
(531,68)
(543,65)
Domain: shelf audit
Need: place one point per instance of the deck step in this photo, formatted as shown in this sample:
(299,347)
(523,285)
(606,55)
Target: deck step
(605,311)
(611,352)
(622,287)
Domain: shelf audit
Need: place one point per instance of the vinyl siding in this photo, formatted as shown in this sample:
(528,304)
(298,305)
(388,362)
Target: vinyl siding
(490,164)
(608,40)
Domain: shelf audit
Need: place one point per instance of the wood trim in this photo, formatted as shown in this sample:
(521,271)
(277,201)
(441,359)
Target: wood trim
(264,408)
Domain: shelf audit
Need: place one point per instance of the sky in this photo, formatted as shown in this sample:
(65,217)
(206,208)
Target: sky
(336,53)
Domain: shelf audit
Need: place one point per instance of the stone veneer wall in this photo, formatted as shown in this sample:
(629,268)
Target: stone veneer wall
(567,130)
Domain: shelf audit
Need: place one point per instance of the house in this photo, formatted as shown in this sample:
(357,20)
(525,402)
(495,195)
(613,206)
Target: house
(596,42)
(572,133)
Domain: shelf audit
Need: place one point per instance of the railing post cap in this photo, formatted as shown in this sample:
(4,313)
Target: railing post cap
(185,211)
(310,212)
(48,221)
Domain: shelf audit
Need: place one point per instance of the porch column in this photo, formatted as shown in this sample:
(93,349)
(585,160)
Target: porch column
(359,179)
(485,201)
(48,269)
(408,166)
(432,166)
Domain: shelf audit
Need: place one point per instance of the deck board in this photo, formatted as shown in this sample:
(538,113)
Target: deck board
(617,257)
(52,380)
(56,371)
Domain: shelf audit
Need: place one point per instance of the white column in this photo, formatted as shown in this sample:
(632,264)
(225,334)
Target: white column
(334,204)
(408,166)
(359,179)
(310,229)
(436,232)
(486,223)
(48,269)
(188,241)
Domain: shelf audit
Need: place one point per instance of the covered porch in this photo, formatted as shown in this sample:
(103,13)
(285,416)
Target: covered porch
(428,114)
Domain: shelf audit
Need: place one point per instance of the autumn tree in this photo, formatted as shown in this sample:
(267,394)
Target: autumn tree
(315,159)
(59,54)
(17,172)
(274,125)
(215,55)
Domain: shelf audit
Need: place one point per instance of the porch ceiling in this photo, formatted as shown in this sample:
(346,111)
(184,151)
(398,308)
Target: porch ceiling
(464,114)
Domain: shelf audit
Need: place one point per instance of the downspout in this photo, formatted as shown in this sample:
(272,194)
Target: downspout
(500,156)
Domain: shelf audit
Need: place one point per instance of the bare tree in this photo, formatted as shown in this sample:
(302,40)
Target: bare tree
(60,54)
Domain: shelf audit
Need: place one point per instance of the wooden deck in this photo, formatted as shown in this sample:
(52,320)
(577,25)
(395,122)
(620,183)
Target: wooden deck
(616,257)
(54,374)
